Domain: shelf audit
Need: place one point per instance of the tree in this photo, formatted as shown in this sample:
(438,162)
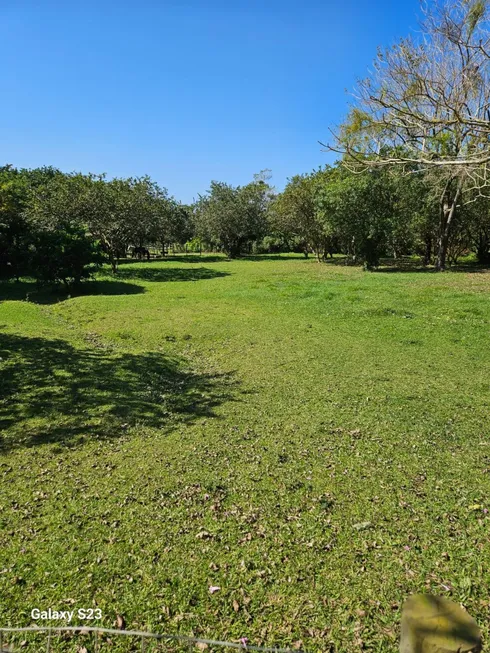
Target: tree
(122,212)
(426,108)
(296,213)
(231,216)
(173,224)
(15,236)
(358,210)
(61,247)
(112,213)
(479,228)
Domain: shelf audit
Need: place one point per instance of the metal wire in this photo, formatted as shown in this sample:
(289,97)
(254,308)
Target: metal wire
(191,641)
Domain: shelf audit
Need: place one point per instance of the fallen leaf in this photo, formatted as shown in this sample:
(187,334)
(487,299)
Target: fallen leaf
(362,526)
(203,535)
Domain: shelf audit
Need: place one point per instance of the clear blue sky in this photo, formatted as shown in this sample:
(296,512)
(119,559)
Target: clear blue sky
(186,90)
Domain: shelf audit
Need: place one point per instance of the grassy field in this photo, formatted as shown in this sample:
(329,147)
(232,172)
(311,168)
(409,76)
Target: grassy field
(312,439)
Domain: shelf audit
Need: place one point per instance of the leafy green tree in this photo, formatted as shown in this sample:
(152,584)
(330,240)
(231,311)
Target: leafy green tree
(113,212)
(62,249)
(297,215)
(173,223)
(478,228)
(230,217)
(15,235)
(357,210)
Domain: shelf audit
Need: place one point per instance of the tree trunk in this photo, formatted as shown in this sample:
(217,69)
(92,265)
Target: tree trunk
(110,249)
(234,251)
(448,208)
(483,247)
(428,250)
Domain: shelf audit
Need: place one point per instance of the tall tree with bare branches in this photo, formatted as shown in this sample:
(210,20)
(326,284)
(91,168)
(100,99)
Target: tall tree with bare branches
(426,108)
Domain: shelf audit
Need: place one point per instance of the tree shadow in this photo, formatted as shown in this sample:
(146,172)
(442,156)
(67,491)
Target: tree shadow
(413,266)
(273,257)
(51,391)
(389,269)
(343,261)
(178,258)
(390,265)
(169,274)
(29,291)
(469,268)
(196,258)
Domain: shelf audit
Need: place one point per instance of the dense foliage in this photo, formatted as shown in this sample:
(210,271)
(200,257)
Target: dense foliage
(59,227)
(229,218)
(376,213)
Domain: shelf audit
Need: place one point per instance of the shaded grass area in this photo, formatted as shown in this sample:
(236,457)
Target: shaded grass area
(26,290)
(162,274)
(53,392)
(311,439)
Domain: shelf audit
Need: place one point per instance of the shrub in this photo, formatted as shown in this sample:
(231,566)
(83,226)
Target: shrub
(65,255)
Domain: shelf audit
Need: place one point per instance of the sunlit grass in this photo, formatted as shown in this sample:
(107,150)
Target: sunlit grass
(312,439)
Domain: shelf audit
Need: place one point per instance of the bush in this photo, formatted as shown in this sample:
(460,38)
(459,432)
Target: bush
(65,255)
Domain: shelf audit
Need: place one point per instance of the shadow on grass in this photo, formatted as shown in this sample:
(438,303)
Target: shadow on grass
(169,274)
(53,392)
(273,257)
(385,269)
(441,623)
(467,268)
(176,258)
(390,265)
(28,291)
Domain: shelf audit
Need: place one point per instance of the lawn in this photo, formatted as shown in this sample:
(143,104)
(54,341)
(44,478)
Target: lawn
(310,438)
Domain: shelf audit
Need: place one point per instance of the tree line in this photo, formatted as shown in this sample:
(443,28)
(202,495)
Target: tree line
(60,227)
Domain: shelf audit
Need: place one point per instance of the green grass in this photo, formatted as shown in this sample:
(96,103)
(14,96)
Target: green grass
(312,439)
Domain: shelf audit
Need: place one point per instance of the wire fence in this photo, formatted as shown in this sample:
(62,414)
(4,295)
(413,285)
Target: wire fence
(79,639)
